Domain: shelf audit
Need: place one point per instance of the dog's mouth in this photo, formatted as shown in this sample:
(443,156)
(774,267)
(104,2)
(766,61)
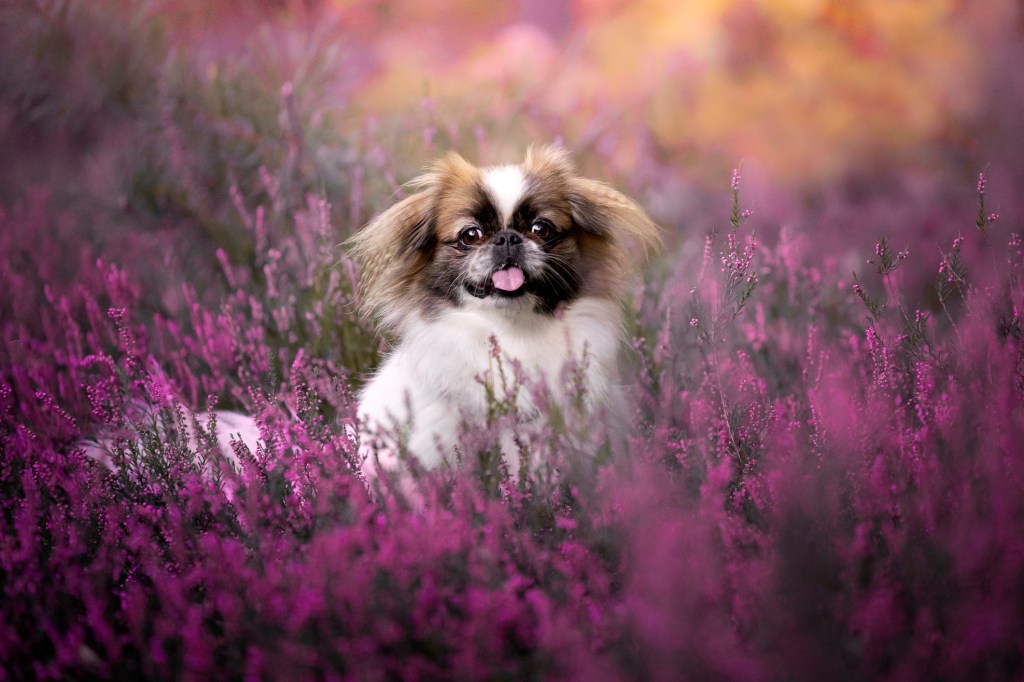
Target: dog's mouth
(508,282)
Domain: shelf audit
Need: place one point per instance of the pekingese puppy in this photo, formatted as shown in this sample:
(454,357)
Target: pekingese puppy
(527,261)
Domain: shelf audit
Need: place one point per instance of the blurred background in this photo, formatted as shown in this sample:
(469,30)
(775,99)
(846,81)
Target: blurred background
(136,128)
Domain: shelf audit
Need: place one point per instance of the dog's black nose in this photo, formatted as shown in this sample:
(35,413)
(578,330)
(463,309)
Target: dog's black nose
(507,238)
(506,244)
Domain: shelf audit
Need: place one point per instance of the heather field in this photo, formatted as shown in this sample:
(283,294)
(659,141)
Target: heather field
(825,473)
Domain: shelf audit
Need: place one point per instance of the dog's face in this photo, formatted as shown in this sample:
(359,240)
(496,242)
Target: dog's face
(524,237)
(505,237)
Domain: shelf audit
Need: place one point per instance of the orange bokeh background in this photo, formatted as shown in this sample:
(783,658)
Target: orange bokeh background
(810,89)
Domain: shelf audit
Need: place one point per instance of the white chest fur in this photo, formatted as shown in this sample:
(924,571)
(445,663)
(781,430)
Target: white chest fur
(438,374)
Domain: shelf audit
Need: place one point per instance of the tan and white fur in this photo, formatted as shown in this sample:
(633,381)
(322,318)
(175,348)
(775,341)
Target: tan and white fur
(530,256)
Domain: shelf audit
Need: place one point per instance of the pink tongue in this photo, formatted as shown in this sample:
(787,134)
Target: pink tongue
(508,279)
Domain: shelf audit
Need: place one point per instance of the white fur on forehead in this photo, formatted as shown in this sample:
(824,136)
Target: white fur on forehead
(506,185)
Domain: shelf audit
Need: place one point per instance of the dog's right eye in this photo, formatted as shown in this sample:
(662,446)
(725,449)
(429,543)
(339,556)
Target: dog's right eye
(471,236)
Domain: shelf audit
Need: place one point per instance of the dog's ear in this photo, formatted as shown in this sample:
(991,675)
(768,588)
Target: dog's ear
(396,245)
(391,247)
(599,210)
(596,208)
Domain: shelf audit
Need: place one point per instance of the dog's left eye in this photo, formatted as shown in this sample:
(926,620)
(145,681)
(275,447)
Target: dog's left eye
(541,229)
